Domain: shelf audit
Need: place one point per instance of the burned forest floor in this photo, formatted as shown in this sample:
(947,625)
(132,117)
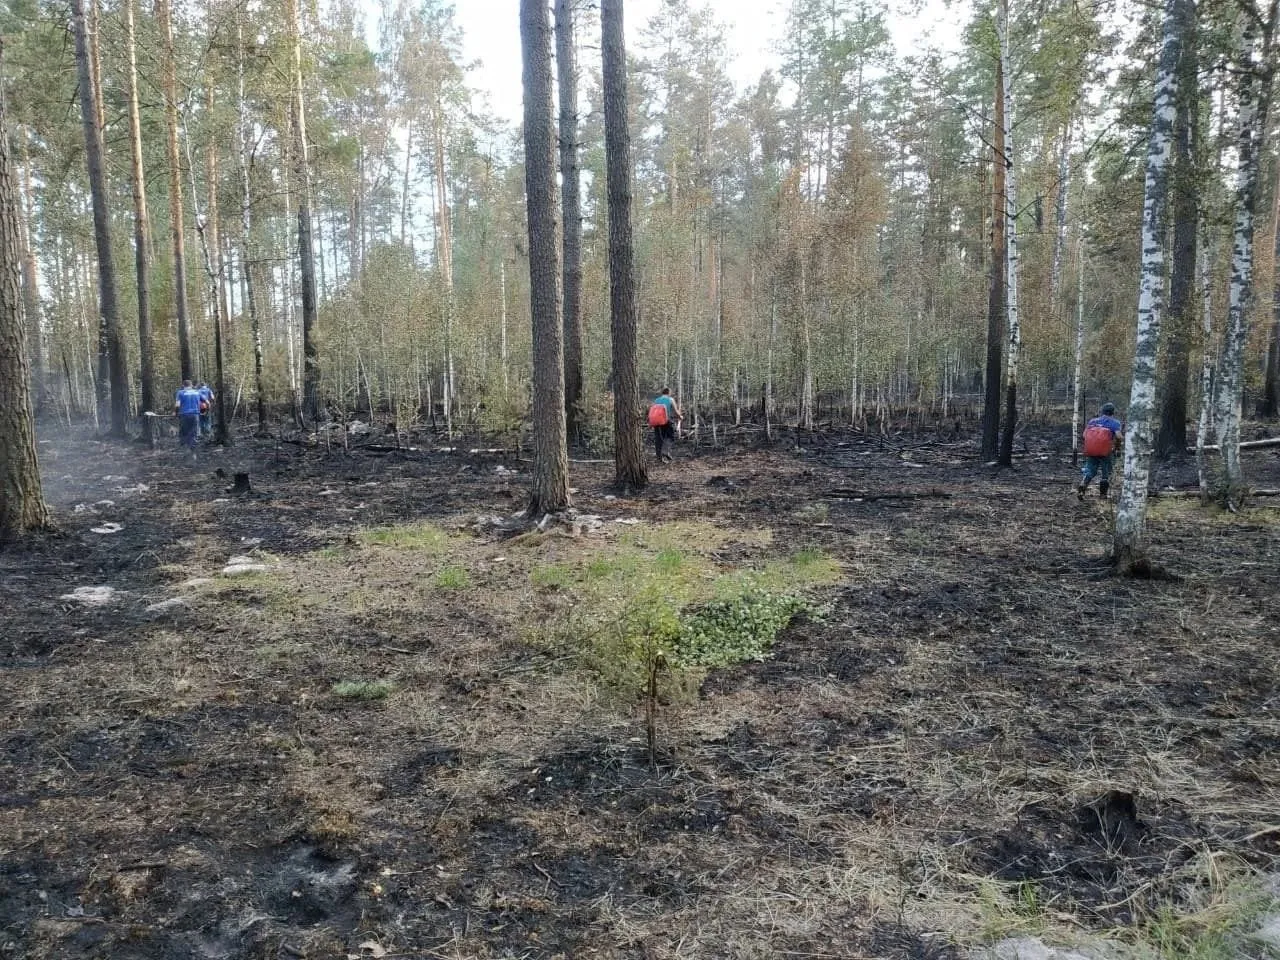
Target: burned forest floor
(358,712)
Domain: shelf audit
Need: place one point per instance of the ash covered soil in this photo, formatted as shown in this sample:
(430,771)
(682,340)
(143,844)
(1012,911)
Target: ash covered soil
(983,722)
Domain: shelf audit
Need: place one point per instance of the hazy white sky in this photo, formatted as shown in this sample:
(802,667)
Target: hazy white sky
(491,35)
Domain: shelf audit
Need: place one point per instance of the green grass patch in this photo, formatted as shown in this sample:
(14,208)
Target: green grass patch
(452,578)
(414,536)
(362,689)
(553,576)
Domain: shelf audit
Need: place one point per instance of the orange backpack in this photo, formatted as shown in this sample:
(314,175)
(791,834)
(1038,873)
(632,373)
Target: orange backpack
(658,415)
(1098,441)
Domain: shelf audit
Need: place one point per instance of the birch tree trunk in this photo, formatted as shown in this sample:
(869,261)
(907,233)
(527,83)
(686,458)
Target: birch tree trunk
(550,456)
(107,305)
(1011,247)
(1253,102)
(995,293)
(22,507)
(628,455)
(164,16)
(571,205)
(1131,513)
(141,233)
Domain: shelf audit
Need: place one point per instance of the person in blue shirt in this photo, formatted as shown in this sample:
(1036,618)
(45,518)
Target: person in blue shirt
(1101,435)
(206,408)
(666,432)
(186,404)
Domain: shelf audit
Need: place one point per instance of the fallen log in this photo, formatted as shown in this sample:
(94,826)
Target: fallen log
(1244,445)
(870,495)
(1169,492)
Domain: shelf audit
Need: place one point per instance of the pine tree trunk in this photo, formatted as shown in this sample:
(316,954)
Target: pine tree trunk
(22,506)
(312,409)
(550,457)
(1269,404)
(995,293)
(36,347)
(571,205)
(246,226)
(1253,102)
(1171,437)
(1205,422)
(404,189)
(1078,368)
(628,452)
(503,359)
(164,17)
(107,305)
(1011,250)
(141,234)
(444,257)
(1131,512)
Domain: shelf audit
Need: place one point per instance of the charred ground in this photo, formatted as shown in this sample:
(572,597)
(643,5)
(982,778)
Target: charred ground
(984,732)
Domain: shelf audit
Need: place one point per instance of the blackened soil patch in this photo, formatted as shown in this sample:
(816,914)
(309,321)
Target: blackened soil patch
(964,719)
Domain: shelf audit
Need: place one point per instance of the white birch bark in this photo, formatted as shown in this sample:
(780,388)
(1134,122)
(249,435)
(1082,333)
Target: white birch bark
(1254,97)
(1011,242)
(1131,513)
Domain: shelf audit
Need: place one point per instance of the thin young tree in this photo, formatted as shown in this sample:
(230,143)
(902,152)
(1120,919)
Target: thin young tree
(550,456)
(244,154)
(31,287)
(628,455)
(177,233)
(141,231)
(312,410)
(108,308)
(571,206)
(22,507)
(1131,513)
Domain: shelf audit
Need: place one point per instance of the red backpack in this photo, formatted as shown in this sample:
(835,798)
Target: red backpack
(658,415)
(1098,441)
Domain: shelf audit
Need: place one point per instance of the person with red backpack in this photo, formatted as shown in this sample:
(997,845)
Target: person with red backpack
(664,414)
(1101,434)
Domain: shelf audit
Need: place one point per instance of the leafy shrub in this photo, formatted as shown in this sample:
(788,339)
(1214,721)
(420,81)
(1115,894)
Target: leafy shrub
(734,629)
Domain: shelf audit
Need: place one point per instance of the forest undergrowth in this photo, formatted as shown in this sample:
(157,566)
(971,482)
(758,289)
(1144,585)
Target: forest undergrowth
(396,726)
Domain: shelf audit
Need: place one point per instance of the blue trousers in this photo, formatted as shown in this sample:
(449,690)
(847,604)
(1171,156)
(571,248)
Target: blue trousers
(1096,467)
(189,429)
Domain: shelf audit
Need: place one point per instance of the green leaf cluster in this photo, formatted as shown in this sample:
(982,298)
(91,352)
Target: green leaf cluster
(735,629)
